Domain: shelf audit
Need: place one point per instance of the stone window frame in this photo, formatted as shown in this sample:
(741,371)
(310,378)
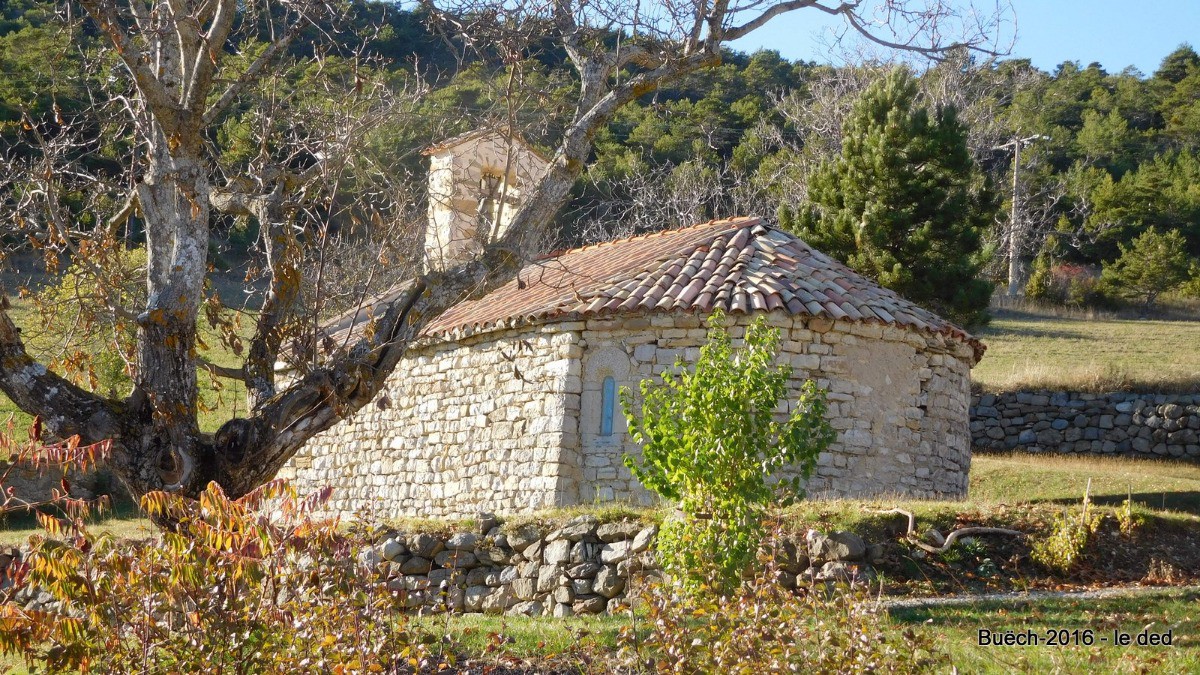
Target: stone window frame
(599,365)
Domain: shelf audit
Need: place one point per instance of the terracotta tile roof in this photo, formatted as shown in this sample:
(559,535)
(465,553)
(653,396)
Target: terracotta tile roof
(739,265)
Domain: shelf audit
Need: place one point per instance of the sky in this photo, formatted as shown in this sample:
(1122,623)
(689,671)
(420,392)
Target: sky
(1116,33)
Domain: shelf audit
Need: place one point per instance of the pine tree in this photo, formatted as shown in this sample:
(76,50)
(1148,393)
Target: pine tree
(1153,264)
(904,203)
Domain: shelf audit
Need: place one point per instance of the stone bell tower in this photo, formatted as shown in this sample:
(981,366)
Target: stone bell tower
(476,182)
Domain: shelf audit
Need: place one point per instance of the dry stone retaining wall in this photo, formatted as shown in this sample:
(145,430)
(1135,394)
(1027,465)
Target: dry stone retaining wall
(582,567)
(1140,425)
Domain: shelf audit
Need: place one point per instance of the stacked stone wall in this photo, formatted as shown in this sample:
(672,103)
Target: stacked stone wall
(581,567)
(461,427)
(1140,425)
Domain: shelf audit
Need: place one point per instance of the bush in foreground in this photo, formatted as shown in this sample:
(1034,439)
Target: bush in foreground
(761,627)
(235,588)
(710,440)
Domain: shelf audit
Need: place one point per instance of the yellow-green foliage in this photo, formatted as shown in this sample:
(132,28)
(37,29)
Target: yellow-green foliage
(710,440)
(1064,547)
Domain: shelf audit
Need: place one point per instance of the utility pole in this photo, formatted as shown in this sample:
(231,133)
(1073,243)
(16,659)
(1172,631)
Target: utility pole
(1014,224)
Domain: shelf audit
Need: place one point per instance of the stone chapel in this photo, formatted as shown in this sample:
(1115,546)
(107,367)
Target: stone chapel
(508,403)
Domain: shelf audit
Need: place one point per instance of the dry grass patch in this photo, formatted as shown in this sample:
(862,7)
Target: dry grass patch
(1027,350)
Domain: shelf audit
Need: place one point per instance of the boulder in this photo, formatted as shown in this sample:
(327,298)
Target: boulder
(644,538)
(590,604)
(462,541)
(473,600)
(618,551)
(564,594)
(528,608)
(525,535)
(836,546)
(585,570)
(548,577)
(524,589)
(456,559)
(368,557)
(510,574)
(393,550)
(610,532)
(479,576)
(533,551)
(608,582)
(425,545)
(933,537)
(558,551)
(499,600)
(438,575)
(485,522)
(416,565)
(577,528)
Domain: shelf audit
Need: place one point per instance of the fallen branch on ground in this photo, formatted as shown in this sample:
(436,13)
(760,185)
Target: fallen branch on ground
(954,536)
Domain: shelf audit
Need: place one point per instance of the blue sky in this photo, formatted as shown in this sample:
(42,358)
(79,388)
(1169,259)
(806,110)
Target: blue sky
(1116,33)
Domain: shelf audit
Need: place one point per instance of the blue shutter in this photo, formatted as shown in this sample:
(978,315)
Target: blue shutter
(608,402)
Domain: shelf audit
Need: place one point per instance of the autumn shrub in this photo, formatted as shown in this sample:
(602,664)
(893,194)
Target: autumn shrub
(711,438)
(761,627)
(253,585)
(1063,548)
(1067,284)
(62,459)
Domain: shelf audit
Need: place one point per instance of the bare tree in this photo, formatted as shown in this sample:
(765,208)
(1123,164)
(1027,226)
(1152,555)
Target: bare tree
(186,64)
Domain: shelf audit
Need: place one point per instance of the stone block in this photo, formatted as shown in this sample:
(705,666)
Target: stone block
(590,604)
(557,552)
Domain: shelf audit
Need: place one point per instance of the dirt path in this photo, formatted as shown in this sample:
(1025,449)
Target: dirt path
(1034,596)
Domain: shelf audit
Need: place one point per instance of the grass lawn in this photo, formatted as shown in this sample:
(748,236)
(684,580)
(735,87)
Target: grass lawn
(1032,350)
(1032,479)
(957,630)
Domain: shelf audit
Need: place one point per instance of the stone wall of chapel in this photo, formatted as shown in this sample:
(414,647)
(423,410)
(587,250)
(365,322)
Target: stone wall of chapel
(897,398)
(511,421)
(478,425)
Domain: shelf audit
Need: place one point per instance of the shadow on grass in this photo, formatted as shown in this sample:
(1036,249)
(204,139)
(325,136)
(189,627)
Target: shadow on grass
(1182,501)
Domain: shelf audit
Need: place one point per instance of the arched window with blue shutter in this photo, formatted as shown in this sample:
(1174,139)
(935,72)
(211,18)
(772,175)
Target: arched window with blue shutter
(608,405)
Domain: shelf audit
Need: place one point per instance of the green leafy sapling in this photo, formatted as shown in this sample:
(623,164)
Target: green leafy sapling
(712,438)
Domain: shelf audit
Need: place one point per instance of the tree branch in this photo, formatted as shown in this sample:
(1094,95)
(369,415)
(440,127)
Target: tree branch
(774,11)
(272,52)
(165,109)
(204,64)
(65,409)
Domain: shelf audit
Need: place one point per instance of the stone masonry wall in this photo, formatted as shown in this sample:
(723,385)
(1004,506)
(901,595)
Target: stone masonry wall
(477,425)
(509,421)
(1143,425)
(897,398)
(581,567)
